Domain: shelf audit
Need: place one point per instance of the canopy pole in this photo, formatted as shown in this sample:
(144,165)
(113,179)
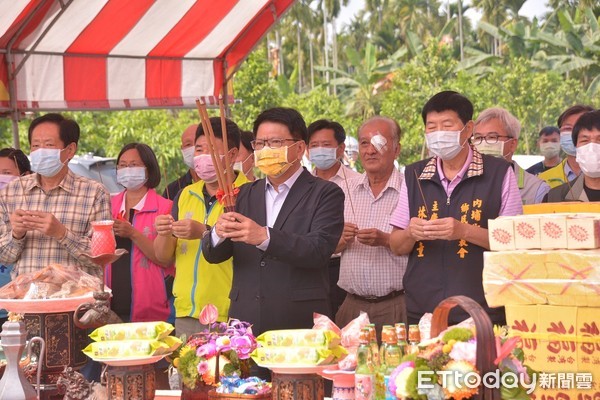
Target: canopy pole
(15,130)
(224,91)
(12,94)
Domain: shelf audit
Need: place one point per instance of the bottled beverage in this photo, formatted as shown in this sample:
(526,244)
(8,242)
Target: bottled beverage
(374,346)
(364,378)
(380,383)
(414,337)
(401,334)
(391,359)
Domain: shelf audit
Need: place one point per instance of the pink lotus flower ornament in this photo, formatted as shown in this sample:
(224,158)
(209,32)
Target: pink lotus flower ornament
(209,314)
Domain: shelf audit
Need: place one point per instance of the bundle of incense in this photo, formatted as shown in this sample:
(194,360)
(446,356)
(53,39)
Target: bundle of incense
(229,177)
(226,189)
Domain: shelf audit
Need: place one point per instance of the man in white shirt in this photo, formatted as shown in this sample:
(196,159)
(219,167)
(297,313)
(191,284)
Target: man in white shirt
(325,150)
(285,229)
(370,273)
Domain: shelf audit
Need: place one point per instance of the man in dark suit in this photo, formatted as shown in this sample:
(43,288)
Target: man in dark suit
(284,231)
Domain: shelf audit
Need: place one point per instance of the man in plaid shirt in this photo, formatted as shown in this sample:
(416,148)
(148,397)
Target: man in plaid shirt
(46,217)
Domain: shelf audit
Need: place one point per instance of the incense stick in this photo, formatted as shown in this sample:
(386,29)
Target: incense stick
(207,127)
(167,182)
(228,168)
(421,190)
(570,188)
(25,198)
(216,158)
(349,195)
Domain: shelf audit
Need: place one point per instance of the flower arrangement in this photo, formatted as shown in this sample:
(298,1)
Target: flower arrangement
(223,347)
(445,368)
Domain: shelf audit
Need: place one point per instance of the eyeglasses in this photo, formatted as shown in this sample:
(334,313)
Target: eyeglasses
(490,139)
(272,143)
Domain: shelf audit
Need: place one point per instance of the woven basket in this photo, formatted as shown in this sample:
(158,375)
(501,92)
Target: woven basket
(486,344)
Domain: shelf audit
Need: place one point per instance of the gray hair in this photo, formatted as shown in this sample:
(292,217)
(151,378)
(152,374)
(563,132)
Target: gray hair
(511,124)
(395,127)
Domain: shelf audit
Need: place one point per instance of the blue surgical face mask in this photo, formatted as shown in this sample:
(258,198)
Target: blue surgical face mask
(323,157)
(46,162)
(566,142)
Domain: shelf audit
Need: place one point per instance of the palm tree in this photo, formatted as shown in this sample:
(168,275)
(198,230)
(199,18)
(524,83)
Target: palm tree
(377,8)
(497,13)
(331,10)
(295,29)
(357,87)
(573,49)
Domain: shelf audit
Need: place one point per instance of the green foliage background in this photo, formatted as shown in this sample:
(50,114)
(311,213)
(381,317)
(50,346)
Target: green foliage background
(389,65)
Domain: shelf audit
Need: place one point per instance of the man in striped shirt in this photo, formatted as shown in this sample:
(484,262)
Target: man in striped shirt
(46,217)
(370,273)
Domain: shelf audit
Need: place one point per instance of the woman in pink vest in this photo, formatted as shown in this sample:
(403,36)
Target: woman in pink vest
(141,285)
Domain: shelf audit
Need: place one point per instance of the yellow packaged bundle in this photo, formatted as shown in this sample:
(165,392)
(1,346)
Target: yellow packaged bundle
(132,331)
(126,349)
(172,343)
(297,355)
(299,338)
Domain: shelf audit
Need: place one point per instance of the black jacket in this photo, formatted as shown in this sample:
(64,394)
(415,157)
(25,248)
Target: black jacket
(282,286)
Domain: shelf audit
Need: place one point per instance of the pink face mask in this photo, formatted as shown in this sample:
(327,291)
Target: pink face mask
(6,179)
(205,168)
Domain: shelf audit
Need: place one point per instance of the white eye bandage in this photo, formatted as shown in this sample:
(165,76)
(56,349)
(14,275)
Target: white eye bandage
(379,142)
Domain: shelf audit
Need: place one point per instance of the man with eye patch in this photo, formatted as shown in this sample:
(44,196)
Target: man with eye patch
(369,272)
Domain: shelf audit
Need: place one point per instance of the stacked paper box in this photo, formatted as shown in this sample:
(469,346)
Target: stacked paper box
(563,345)
(545,231)
(568,277)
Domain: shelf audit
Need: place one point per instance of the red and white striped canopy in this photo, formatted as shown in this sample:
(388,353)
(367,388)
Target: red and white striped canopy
(124,54)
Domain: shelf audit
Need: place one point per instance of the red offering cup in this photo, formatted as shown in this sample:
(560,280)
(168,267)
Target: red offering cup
(103,238)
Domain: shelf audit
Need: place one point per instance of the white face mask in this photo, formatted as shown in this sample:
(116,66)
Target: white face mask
(323,157)
(444,144)
(550,149)
(496,149)
(131,178)
(239,165)
(588,158)
(46,162)
(188,156)
(6,179)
